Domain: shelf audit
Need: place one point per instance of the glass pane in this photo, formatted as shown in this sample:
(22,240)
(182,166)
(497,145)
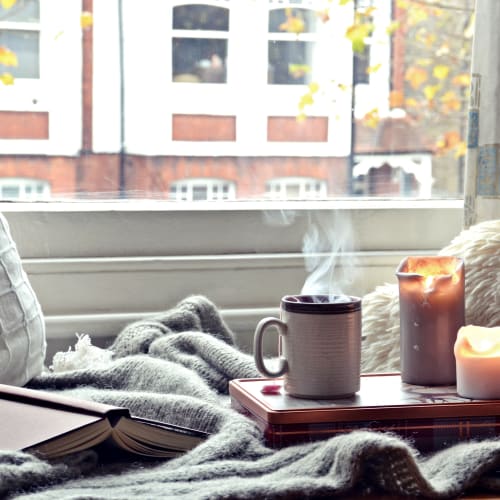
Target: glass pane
(25,44)
(292,20)
(201,17)
(287,103)
(289,62)
(10,192)
(198,60)
(361,64)
(26,11)
(200,193)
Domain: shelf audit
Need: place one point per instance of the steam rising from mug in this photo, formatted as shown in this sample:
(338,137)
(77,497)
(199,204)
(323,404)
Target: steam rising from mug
(328,249)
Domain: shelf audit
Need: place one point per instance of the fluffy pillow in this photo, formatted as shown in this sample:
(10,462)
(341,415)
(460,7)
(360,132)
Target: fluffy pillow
(22,326)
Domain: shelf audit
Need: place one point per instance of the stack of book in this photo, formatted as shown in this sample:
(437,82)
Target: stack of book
(430,417)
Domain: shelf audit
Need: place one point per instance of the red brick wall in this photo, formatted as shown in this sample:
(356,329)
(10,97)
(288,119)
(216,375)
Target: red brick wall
(289,129)
(24,125)
(203,128)
(91,174)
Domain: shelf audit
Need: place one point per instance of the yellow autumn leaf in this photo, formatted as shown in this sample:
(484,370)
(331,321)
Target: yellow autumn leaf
(396,99)
(7,79)
(86,20)
(403,4)
(450,101)
(416,76)
(411,102)
(298,70)
(460,149)
(293,24)
(371,118)
(416,15)
(7,4)
(306,100)
(421,61)
(324,15)
(426,38)
(441,71)
(430,91)
(357,33)
(451,138)
(373,69)
(393,27)
(313,87)
(344,2)
(461,80)
(7,57)
(343,87)
(301,117)
(369,11)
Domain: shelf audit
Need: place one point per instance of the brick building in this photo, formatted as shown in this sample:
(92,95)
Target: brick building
(92,113)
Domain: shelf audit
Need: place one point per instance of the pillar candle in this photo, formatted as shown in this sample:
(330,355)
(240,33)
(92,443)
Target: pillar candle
(477,353)
(432,310)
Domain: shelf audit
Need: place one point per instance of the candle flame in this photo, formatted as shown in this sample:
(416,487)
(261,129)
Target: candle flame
(429,280)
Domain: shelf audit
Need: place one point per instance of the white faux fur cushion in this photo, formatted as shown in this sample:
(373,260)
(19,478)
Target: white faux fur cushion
(22,326)
(479,246)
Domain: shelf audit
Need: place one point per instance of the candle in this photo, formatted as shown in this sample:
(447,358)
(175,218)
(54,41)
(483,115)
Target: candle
(432,310)
(477,353)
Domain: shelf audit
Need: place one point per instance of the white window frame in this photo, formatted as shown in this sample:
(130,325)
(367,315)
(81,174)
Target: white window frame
(307,187)
(97,266)
(29,189)
(183,190)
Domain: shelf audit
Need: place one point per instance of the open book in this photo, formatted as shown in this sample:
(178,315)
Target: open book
(51,426)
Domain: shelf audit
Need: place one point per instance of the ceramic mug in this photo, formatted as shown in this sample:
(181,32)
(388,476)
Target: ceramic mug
(319,345)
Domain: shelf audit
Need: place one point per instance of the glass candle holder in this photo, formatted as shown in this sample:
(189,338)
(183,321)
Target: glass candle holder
(432,310)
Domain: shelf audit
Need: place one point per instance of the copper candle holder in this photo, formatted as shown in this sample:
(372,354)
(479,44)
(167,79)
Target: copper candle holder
(432,310)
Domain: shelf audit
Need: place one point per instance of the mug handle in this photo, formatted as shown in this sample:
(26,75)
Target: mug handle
(257,347)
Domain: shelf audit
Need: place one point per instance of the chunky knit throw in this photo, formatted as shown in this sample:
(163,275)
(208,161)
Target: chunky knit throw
(176,367)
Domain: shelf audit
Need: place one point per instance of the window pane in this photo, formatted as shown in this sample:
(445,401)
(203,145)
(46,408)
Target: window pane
(282,20)
(326,95)
(199,60)
(289,62)
(201,17)
(25,11)
(25,44)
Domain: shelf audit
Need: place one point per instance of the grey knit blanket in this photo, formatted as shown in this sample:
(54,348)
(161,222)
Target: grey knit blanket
(176,367)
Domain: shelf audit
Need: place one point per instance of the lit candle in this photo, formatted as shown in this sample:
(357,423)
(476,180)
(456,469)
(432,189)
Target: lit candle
(477,351)
(432,310)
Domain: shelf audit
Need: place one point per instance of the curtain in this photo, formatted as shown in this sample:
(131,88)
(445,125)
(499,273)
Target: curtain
(482,173)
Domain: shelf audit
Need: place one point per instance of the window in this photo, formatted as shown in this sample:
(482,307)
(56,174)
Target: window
(24,189)
(297,188)
(20,34)
(291,45)
(202,190)
(249,109)
(199,45)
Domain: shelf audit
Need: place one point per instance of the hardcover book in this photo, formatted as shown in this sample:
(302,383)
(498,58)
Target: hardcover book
(51,426)
(430,417)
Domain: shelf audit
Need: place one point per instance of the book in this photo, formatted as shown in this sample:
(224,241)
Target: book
(431,417)
(50,426)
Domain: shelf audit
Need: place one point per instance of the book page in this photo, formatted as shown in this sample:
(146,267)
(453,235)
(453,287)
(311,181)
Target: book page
(144,435)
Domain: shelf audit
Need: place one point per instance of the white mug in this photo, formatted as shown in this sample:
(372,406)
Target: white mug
(319,344)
